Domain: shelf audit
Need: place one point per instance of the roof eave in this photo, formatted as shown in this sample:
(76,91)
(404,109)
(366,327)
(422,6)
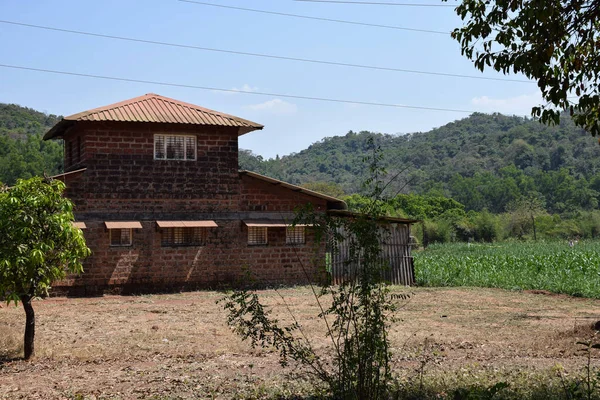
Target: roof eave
(332,202)
(59,129)
(352,214)
(247,129)
(64,124)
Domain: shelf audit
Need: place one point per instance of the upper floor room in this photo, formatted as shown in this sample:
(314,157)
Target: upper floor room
(154,131)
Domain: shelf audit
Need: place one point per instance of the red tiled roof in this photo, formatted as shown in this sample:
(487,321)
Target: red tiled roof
(155,108)
(123,224)
(80,225)
(186,224)
(271,224)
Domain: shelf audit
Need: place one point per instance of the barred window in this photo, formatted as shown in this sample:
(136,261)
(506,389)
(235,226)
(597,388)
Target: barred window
(295,235)
(120,237)
(181,236)
(257,235)
(190,147)
(174,147)
(159,147)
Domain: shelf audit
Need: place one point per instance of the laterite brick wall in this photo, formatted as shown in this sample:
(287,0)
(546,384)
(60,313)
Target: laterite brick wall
(123,175)
(123,182)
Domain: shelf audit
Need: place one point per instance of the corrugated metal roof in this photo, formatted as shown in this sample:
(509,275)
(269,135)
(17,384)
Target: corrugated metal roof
(352,214)
(332,201)
(267,224)
(157,109)
(186,224)
(271,223)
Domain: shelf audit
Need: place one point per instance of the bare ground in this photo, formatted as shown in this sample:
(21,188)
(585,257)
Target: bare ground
(179,346)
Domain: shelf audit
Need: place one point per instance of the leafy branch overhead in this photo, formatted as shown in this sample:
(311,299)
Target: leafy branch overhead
(554,42)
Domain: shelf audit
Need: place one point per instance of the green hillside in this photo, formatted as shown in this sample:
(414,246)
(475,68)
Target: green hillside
(483,161)
(22,152)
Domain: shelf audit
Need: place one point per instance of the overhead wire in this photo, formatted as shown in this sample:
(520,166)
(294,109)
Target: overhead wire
(252,54)
(290,96)
(341,21)
(377,3)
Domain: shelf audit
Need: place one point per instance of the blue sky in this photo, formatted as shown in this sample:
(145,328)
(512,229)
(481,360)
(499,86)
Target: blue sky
(290,124)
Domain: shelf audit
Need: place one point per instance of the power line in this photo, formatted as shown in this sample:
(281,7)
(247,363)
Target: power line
(377,3)
(289,96)
(272,56)
(341,21)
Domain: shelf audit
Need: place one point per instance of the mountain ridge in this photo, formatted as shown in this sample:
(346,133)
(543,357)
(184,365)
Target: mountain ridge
(484,161)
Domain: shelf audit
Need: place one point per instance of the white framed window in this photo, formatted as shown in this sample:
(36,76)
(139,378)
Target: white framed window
(295,235)
(174,147)
(181,236)
(121,236)
(257,235)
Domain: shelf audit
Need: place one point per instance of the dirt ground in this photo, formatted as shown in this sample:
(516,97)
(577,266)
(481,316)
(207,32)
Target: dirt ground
(179,346)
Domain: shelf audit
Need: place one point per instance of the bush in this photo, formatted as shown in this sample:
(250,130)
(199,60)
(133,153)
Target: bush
(440,231)
(487,228)
(589,224)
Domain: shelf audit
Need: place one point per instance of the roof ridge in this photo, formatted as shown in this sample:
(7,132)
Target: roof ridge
(155,108)
(149,96)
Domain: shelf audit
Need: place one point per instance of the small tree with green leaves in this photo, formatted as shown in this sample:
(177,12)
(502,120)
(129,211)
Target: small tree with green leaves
(38,244)
(524,211)
(357,365)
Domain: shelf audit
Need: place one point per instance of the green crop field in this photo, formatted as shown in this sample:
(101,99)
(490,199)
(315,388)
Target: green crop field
(552,266)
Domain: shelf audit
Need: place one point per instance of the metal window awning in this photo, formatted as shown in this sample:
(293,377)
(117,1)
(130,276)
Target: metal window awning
(80,225)
(186,224)
(270,224)
(123,225)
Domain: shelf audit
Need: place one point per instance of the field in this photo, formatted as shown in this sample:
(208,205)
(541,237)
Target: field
(178,346)
(553,266)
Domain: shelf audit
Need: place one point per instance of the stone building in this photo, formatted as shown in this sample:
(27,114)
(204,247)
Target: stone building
(163,205)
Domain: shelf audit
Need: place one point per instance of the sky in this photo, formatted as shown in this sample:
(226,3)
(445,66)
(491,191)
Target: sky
(291,124)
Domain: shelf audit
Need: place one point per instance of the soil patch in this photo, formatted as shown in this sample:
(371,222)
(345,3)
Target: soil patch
(179,346)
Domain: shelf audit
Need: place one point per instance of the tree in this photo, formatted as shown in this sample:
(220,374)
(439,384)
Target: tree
(328,188)
(554,42)
(526,209)
(357,316)
(38,244)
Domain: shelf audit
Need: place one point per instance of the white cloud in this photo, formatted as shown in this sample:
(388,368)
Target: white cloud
(245,88)
(275,106)
(519,105)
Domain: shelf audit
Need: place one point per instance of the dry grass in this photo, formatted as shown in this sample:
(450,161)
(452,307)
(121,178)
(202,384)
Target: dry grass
(178,346)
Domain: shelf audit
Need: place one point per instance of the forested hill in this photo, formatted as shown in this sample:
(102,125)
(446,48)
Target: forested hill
(483,161)
(23,154)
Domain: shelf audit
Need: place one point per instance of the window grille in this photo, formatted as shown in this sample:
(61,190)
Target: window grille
(121,237)
(159,147)
(174,147)
(190,147)
(295,235)
(257,235)
(181,236)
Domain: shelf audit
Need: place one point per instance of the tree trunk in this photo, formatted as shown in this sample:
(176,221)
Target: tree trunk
(28,345)
(534,233)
